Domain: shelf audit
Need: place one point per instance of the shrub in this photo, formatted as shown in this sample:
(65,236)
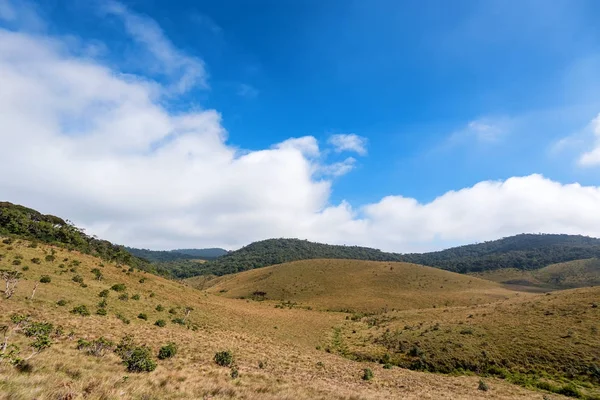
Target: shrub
(143,316)
(16,262)
(367,374)
(466,331)
(50,258)
(103,293)
(119,287)
(38,329)
(24,366)
(234,372)
(387,366)
(167,351)
(25,268)
(41,342)
(123,318)
(178,321)
(97,273)
(152,294)
(124,296)
(81,310)
(45,279)
(61,302)
(224,358)
(135,297)
(103,303)
(161,323)
(36,260)
(101,311)
(7,241)
(483,386)
(173,311)
(97,347)
(140,360)
(262,364)
(159,308)
(77,278)
(142,280)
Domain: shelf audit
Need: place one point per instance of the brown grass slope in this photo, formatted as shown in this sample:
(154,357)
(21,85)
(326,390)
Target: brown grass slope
(567,275)
(283,339)
(366,286)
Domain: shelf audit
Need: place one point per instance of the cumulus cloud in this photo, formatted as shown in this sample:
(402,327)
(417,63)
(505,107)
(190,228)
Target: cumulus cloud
(349,142)
(86,142)
(592,157)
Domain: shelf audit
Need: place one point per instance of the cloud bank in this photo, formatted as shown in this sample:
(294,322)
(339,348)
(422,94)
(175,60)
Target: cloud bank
(84,141)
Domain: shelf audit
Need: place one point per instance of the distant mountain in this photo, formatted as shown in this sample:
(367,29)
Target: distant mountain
(524,252)
(204,254)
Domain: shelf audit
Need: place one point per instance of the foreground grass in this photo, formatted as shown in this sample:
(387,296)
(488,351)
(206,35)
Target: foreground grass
(275,349)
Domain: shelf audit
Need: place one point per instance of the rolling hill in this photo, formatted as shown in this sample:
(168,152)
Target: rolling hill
(359,286)
(174,255)
(570,274)
(523,252)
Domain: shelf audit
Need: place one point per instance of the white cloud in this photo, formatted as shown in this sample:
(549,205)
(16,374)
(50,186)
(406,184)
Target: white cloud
(187,72)
(592,157)
(88,143)
(349,142)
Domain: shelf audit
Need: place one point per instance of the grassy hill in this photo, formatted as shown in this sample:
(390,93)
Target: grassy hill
(365,286)
(523,252)
(276,350)
(571,274)
(179,254)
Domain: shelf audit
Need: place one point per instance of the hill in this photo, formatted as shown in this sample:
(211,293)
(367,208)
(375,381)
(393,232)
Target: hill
(359,286)
(204,254)
(570,274)
(179,254)
(57,351)
(523,252)
(278,251)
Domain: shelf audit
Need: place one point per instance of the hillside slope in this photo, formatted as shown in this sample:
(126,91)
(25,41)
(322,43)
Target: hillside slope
(366,286)
(274,349)
(570,274)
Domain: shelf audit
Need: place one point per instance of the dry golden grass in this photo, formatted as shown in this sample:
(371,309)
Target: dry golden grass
(284,339)
(366,286)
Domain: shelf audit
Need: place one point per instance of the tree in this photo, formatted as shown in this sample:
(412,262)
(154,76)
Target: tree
(11,278)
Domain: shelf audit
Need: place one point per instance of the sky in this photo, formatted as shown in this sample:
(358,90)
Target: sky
(406,126)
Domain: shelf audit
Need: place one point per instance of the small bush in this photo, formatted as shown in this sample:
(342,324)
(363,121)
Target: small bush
(77,278)
(25,268)
(152,294)
(262,364)
(81,310)
(159,308)
(466,331)
(367,374)
(124,296)
(119,287)
(161,323)
(173,311)
(101,311)
(135,297)
(61,302)
(35,329)
(36,260)
(483,386)
(138,359)
(103,293)
(234,372)
(50,258)
(224,358)
(16,262)
(24,366)
(97,348)
(45,279)
(7,241)
(123,318)
(142,280)
(143,316)
(167,351)
(387,366)
(102,303)
(178,321)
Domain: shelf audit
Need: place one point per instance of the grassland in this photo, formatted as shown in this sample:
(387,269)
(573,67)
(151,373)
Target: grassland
(361,286)
(567,275)
(275,349)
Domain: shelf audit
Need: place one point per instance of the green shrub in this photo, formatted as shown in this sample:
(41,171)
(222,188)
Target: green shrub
(97,347)
(173,311)
(16,262)
(7,241)
(81,310)
(38,329)
(483,386)
(45,279)
(41,342)
(119,287)
(36,260)
(167,351)
(103,293)
(25,268)
(135,297)
(161,323)
(143,316)
(123,318)
(224,358)
(61,302)
(140,360)
(50,258)
(159,308)
(367,374)
(152,294)
(102,303)
(466,331)
(77,278)
(142,280)
(124,296)
(387,366)
(101,311)
(178,321)
(234,372)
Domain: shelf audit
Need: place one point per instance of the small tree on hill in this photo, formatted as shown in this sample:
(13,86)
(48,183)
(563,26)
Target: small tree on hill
(11,278)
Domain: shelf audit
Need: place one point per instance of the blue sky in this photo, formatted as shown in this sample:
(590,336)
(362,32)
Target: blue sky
(442,95)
